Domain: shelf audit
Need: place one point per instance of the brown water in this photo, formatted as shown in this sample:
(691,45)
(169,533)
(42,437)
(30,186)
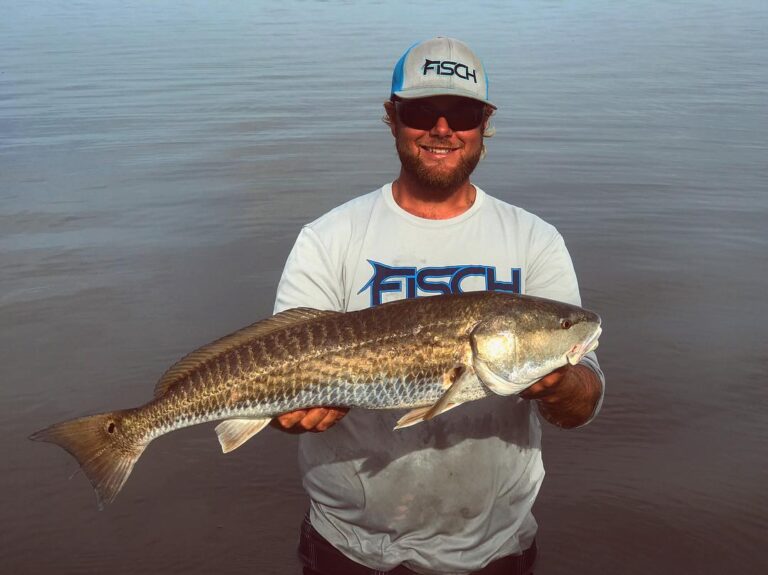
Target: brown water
(157,160)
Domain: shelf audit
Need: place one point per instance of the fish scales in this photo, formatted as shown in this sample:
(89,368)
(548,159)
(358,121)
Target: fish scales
(428,354)
(350,350)
(394,360)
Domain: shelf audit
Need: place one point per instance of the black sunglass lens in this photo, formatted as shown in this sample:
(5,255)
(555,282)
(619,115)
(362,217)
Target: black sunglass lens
(416,115)
(424,117)
(465,118)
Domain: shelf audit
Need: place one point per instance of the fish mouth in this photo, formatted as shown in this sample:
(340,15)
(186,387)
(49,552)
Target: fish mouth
(579,350)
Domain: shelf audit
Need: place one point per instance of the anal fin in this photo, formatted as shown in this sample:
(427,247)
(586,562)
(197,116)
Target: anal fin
(234,432)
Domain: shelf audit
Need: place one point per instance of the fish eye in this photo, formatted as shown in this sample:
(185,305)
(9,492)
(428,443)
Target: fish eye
(566,323)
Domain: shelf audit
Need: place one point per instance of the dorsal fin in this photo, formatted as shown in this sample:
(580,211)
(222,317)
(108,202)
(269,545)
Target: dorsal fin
(190,362)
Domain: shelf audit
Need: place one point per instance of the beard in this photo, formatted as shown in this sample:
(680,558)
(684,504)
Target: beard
(443,181)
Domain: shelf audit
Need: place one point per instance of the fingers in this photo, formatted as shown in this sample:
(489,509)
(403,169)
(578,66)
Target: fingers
(334,415)
(546,386)
(287,422)
(314,419)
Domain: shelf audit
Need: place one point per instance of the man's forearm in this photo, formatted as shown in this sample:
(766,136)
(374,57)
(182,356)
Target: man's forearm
(575,400)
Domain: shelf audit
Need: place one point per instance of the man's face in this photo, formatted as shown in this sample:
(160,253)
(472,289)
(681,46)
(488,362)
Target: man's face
(439,157)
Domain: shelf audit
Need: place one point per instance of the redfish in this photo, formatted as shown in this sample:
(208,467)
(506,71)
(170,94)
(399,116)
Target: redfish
(427,354)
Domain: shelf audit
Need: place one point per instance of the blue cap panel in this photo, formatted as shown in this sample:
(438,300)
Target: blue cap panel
(398,76)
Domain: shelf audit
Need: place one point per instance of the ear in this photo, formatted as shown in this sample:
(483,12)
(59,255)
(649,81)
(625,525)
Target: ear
(389,108)
(487,113)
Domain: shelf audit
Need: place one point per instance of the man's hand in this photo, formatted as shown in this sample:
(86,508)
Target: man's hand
(313,419)
(567,397)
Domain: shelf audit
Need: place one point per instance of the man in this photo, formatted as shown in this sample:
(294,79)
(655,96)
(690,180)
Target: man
(454,494)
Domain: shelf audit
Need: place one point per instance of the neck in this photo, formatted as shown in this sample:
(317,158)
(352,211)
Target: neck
(431,203)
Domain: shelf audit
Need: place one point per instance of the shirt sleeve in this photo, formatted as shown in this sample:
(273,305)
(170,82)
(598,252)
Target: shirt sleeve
(551,275)
(310,278)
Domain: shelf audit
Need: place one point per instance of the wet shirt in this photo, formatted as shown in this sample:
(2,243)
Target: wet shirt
(451,494)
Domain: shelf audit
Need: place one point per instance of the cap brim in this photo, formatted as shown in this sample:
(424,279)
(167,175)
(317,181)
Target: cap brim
(428,92)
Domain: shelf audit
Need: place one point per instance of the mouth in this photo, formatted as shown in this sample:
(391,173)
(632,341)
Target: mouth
(440,151)
(581,349)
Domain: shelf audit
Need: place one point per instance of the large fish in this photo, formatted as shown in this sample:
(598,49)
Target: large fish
(427,354)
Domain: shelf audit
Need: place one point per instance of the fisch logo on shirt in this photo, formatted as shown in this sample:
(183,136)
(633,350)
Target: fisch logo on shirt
(413,281)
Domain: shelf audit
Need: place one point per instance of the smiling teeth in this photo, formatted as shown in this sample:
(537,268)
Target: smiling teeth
(438,150)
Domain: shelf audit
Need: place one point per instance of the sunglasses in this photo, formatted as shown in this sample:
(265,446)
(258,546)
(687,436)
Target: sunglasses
(423,116)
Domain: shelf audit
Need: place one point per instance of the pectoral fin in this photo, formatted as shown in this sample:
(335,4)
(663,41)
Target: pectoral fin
(456,377)
(412,417)
(234,432)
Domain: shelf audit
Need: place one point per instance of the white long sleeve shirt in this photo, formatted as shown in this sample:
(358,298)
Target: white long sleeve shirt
(451,494)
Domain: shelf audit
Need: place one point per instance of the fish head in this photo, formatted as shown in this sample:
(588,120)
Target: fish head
(532,338)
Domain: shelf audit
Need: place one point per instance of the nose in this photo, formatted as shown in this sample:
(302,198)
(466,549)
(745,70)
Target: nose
(441,128)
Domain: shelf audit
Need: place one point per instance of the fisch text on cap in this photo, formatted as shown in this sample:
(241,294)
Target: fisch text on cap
(440,67)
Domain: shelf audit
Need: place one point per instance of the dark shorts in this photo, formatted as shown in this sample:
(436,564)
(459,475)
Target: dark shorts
(319,557)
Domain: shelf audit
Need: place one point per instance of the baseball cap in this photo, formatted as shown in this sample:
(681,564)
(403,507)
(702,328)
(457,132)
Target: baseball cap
(440,67)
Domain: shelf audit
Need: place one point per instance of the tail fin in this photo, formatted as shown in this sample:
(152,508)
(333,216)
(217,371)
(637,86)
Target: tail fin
(104,452)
